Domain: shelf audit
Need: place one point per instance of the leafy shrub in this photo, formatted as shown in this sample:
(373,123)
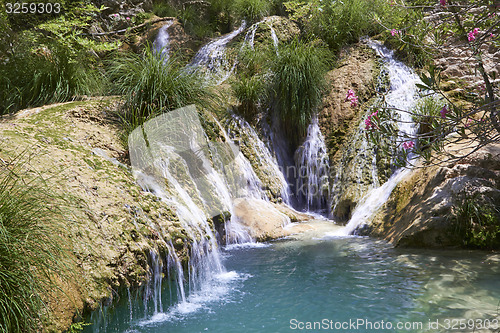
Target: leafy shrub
(52,75)
(252,10)
(478,222)
(297,85)
(426,113)
(343,22)
(153,84)
(31,250)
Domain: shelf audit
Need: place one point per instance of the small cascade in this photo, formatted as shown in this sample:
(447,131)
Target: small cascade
(174,268)
(241,131)
(162,42)
(212,59)
(312,162)
(173,158)
(401,96)
(153,288)
(250,35)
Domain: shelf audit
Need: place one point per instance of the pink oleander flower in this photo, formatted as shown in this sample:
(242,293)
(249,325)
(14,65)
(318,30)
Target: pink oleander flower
(369,124)
(394,32)
(128,18)
(350,94)
(351,97)
(354,101)
(472,35)
(444,111)
(442,2)
(408,145)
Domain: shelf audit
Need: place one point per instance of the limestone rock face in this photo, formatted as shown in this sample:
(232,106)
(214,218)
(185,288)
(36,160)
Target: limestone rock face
(112,224)
(263,220)
(419,211)
(351,166)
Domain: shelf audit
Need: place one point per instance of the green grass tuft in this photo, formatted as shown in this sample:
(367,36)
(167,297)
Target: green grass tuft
(31,248)
(298,85)
(152,84)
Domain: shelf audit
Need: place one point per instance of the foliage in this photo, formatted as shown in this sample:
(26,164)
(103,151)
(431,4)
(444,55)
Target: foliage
(153,83)
(252,80)
(342,22)
(45,76)
(471,27)
(52,62)
(250,91)
(78,327)
(298,84)
(477,222)
(31,250)
(252,10)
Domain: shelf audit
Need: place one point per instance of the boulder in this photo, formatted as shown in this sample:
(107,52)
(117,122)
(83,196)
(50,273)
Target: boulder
(263,220)
(421,209)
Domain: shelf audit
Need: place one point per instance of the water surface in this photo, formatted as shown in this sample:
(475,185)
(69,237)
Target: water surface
(286,284)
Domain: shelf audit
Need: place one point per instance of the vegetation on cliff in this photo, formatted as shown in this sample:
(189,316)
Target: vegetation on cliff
(32,245)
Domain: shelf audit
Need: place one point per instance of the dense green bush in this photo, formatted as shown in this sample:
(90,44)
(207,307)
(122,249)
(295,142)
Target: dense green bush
(298,84)
(252,10)
(49,76)
(478,222)
(343,22)
(152,84)
(31,248)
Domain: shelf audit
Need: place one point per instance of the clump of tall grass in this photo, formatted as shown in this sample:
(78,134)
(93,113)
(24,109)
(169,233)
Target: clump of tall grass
(31,248)
(152,84)
(250,92)
(251,84)
(252,10)
(52,75)
(298,84)
(477,221)
(340,23)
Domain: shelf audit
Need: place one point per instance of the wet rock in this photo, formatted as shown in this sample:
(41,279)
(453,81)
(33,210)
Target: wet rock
(420,211)
(263,220)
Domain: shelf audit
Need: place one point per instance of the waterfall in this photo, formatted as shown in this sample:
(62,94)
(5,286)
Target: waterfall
(312,162)
(241,131)
(162,41)
(212,59)
(173,158)
(250,35)
(401,96)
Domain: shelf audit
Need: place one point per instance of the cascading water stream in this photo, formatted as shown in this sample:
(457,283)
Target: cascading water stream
(240,129)
(250,35)
(402,96)
(312,162)
(161,43)
(174,159)
(213,60)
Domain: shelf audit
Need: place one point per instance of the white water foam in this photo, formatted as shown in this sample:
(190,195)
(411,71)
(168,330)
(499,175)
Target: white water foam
(219,291)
